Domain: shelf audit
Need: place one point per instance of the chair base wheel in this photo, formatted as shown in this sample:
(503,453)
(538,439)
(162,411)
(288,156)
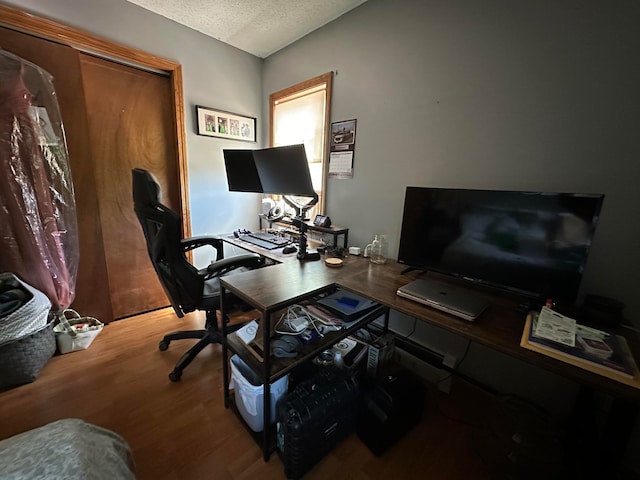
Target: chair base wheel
(163,345)
(175,376)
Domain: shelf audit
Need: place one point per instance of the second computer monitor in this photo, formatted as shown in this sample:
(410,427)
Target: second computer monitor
(242,175)
(284,171)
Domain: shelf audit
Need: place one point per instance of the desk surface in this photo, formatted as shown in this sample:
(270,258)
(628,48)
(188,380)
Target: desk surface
(274,254)
(499,327)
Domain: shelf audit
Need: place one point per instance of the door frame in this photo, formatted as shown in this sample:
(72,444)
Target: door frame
(88,43)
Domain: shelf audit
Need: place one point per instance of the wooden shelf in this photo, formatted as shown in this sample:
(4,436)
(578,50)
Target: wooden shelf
(283,366)
(332,230)
(288,284)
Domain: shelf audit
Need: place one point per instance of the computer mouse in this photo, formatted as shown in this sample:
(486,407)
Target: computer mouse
(289,249)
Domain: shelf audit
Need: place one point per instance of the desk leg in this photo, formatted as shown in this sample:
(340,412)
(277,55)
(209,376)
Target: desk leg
(617,430)
(225,350)
(266,391)
(597,449)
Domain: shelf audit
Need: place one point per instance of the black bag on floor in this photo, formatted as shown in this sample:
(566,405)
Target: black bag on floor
(389,409)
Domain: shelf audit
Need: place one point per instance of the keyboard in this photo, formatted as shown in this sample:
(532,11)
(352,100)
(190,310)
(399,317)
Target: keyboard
(270,237)
(265,240)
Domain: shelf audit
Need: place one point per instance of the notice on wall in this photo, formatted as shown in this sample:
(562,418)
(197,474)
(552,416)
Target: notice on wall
(341,162)
(342,148)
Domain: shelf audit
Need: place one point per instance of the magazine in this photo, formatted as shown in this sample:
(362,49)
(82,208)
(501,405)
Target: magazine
(599,351)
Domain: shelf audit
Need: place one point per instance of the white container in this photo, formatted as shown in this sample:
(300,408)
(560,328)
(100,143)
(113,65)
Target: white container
(249,396)
(76,333)
(379,249)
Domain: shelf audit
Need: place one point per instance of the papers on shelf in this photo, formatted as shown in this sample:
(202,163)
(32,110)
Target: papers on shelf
(558,328)
(598,351)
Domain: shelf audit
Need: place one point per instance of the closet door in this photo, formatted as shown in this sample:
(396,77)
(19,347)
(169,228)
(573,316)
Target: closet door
(129,113)
(116,118)
(62,62)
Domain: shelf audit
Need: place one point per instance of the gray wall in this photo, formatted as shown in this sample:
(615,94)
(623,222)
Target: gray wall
(495,94)
(214,74)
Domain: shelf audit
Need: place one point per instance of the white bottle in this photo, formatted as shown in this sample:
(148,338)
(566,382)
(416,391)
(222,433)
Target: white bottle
(338,361)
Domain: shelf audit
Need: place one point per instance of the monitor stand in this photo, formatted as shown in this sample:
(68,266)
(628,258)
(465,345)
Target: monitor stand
(303,253)
(301,209)
(411,269)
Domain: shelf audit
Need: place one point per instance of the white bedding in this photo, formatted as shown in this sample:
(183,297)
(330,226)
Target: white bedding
(66,449)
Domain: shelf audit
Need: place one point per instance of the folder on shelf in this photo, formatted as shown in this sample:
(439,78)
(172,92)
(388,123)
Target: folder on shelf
(348,306)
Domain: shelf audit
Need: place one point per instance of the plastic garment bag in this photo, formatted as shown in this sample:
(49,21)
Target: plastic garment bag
(38,226)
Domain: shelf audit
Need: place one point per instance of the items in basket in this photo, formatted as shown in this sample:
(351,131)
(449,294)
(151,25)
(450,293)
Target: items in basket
(23,309)
(75,333)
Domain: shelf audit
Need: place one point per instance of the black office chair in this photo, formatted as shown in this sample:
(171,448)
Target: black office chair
(187,288)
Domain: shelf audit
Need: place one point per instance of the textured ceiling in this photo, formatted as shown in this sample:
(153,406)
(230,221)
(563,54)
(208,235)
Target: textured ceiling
(260,27)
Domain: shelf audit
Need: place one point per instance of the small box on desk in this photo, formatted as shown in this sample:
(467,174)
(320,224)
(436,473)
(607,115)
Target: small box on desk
(380,353)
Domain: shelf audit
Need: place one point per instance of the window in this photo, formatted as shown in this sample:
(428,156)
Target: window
(300,114)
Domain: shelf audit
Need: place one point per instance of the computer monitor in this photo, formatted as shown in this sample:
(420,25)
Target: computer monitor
(242,175)
(284,171)
(532,244)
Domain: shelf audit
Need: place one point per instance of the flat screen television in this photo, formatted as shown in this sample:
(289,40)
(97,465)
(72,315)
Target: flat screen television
(534,244)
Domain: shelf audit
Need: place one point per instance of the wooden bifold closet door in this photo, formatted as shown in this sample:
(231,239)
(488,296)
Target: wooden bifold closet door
(130,125)
(116,117)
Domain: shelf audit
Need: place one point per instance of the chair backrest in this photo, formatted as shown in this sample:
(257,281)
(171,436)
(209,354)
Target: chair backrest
(163,234)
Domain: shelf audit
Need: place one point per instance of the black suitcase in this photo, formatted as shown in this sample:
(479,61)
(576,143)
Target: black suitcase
(313,418)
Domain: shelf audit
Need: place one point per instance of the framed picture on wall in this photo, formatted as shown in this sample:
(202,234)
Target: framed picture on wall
(219,123)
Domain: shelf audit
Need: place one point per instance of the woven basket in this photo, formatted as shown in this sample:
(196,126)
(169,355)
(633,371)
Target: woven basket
(22,359)
(29,318)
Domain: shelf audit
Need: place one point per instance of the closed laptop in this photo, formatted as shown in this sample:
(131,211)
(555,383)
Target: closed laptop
(444,297)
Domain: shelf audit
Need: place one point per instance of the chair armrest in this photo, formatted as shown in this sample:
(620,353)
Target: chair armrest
(247,260)
(192,243)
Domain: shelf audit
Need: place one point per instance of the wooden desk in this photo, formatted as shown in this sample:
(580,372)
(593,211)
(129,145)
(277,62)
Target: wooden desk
(499,327)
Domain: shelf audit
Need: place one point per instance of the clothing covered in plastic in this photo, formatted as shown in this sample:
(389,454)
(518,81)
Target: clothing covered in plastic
(38,226)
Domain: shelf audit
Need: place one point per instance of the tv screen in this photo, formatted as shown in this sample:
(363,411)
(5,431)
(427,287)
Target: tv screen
(242,175)
(531,243)
(284,170)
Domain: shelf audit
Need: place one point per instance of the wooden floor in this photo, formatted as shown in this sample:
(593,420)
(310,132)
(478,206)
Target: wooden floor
(182,430)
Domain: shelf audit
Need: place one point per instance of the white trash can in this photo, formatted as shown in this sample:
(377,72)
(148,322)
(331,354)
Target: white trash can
(249,396)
